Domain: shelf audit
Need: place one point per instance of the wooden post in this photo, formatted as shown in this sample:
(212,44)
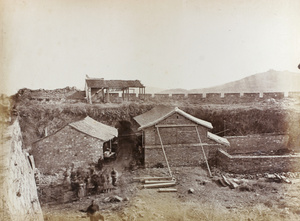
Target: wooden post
(203,151)
(163,149)
(90,95)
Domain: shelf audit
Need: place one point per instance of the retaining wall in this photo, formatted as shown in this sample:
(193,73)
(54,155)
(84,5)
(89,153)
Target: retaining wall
(257,164)
(257,144)
(19,198)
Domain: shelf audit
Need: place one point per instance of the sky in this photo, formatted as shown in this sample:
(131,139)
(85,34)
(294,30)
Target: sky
(164,43)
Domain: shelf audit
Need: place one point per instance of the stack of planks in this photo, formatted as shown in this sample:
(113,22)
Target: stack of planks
(162,183)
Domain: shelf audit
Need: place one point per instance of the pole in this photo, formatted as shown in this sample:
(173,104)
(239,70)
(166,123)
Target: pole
(163,149)
(203,152)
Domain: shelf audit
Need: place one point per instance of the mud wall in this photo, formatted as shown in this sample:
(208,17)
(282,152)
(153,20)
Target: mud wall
(19,199)
(257,164)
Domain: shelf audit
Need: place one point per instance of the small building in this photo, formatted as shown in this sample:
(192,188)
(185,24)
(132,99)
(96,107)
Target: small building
(99,89)
(79,143)
(168,132)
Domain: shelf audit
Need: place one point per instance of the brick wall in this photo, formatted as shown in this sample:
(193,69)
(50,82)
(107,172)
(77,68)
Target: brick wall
(65,147)
(180,155)
(213,97)
(146,97)
(232,98)
(257,164)
(195,98)
(275,95)
(255,143)
(161,97)
(250,97)
(178,97)
(175,135)
(181,142)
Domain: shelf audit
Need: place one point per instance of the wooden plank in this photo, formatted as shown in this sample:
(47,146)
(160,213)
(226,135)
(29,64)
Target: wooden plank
(164,190)
(176,125)
(158,185)
(151,178)
(155,181)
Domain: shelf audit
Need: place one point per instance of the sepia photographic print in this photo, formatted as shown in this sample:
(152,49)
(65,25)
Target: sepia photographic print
(149,110)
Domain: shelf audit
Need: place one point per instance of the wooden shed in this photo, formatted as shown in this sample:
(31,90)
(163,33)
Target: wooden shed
(173,136)
(79,143)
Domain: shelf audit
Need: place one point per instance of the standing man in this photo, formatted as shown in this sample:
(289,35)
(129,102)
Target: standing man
(114,175)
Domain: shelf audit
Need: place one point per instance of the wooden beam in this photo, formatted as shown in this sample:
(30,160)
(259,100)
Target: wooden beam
(203,151)
(166,190)
(158,185)
(156,181)
(176,125)
(151,178)
(163,149)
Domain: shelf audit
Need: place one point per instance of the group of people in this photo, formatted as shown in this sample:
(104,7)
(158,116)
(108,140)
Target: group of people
(89,182)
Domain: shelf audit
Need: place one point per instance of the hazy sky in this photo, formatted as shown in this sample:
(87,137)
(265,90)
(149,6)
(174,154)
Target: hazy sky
(165,43)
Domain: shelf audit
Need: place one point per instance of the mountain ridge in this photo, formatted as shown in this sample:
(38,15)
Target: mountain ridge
(270,81)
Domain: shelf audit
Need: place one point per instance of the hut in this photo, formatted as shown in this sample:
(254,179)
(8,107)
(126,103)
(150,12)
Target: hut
(172,136)
(79,143)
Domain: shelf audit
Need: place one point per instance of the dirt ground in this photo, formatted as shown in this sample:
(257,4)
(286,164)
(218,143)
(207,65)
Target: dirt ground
(256,198)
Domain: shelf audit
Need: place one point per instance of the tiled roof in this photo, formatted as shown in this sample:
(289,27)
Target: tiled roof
(101,83)
(218,139)
(95,129)
(161,112)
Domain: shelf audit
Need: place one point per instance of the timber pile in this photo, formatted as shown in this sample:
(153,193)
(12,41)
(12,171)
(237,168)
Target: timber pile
(232,183)
(162,183)
(277,178)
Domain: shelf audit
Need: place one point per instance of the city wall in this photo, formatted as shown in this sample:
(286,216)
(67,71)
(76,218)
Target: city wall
(228,98)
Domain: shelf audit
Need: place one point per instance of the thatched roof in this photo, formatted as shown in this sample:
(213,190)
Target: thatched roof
(95,129)
(122,84)
(160,113)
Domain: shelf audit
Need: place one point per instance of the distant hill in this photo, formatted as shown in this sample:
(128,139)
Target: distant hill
(175,91)
(270,81)
(153,90)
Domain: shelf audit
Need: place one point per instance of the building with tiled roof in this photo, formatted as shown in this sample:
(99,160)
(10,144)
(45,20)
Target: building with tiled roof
(170,134)
(79,143)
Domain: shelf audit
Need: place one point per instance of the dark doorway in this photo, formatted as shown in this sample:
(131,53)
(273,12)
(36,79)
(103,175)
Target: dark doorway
(128,151)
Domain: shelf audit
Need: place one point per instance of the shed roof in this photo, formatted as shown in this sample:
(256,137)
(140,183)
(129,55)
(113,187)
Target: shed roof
(101,83)
(161,112)
(95,129)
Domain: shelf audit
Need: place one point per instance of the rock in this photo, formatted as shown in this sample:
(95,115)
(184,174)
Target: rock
(191,190)
(116,199)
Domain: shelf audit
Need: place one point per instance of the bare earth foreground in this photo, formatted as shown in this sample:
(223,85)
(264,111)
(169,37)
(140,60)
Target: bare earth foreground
(256,198)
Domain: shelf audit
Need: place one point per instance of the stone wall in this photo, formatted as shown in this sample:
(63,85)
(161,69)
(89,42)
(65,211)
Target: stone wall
(66,147)
(19,199)
(257,164)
